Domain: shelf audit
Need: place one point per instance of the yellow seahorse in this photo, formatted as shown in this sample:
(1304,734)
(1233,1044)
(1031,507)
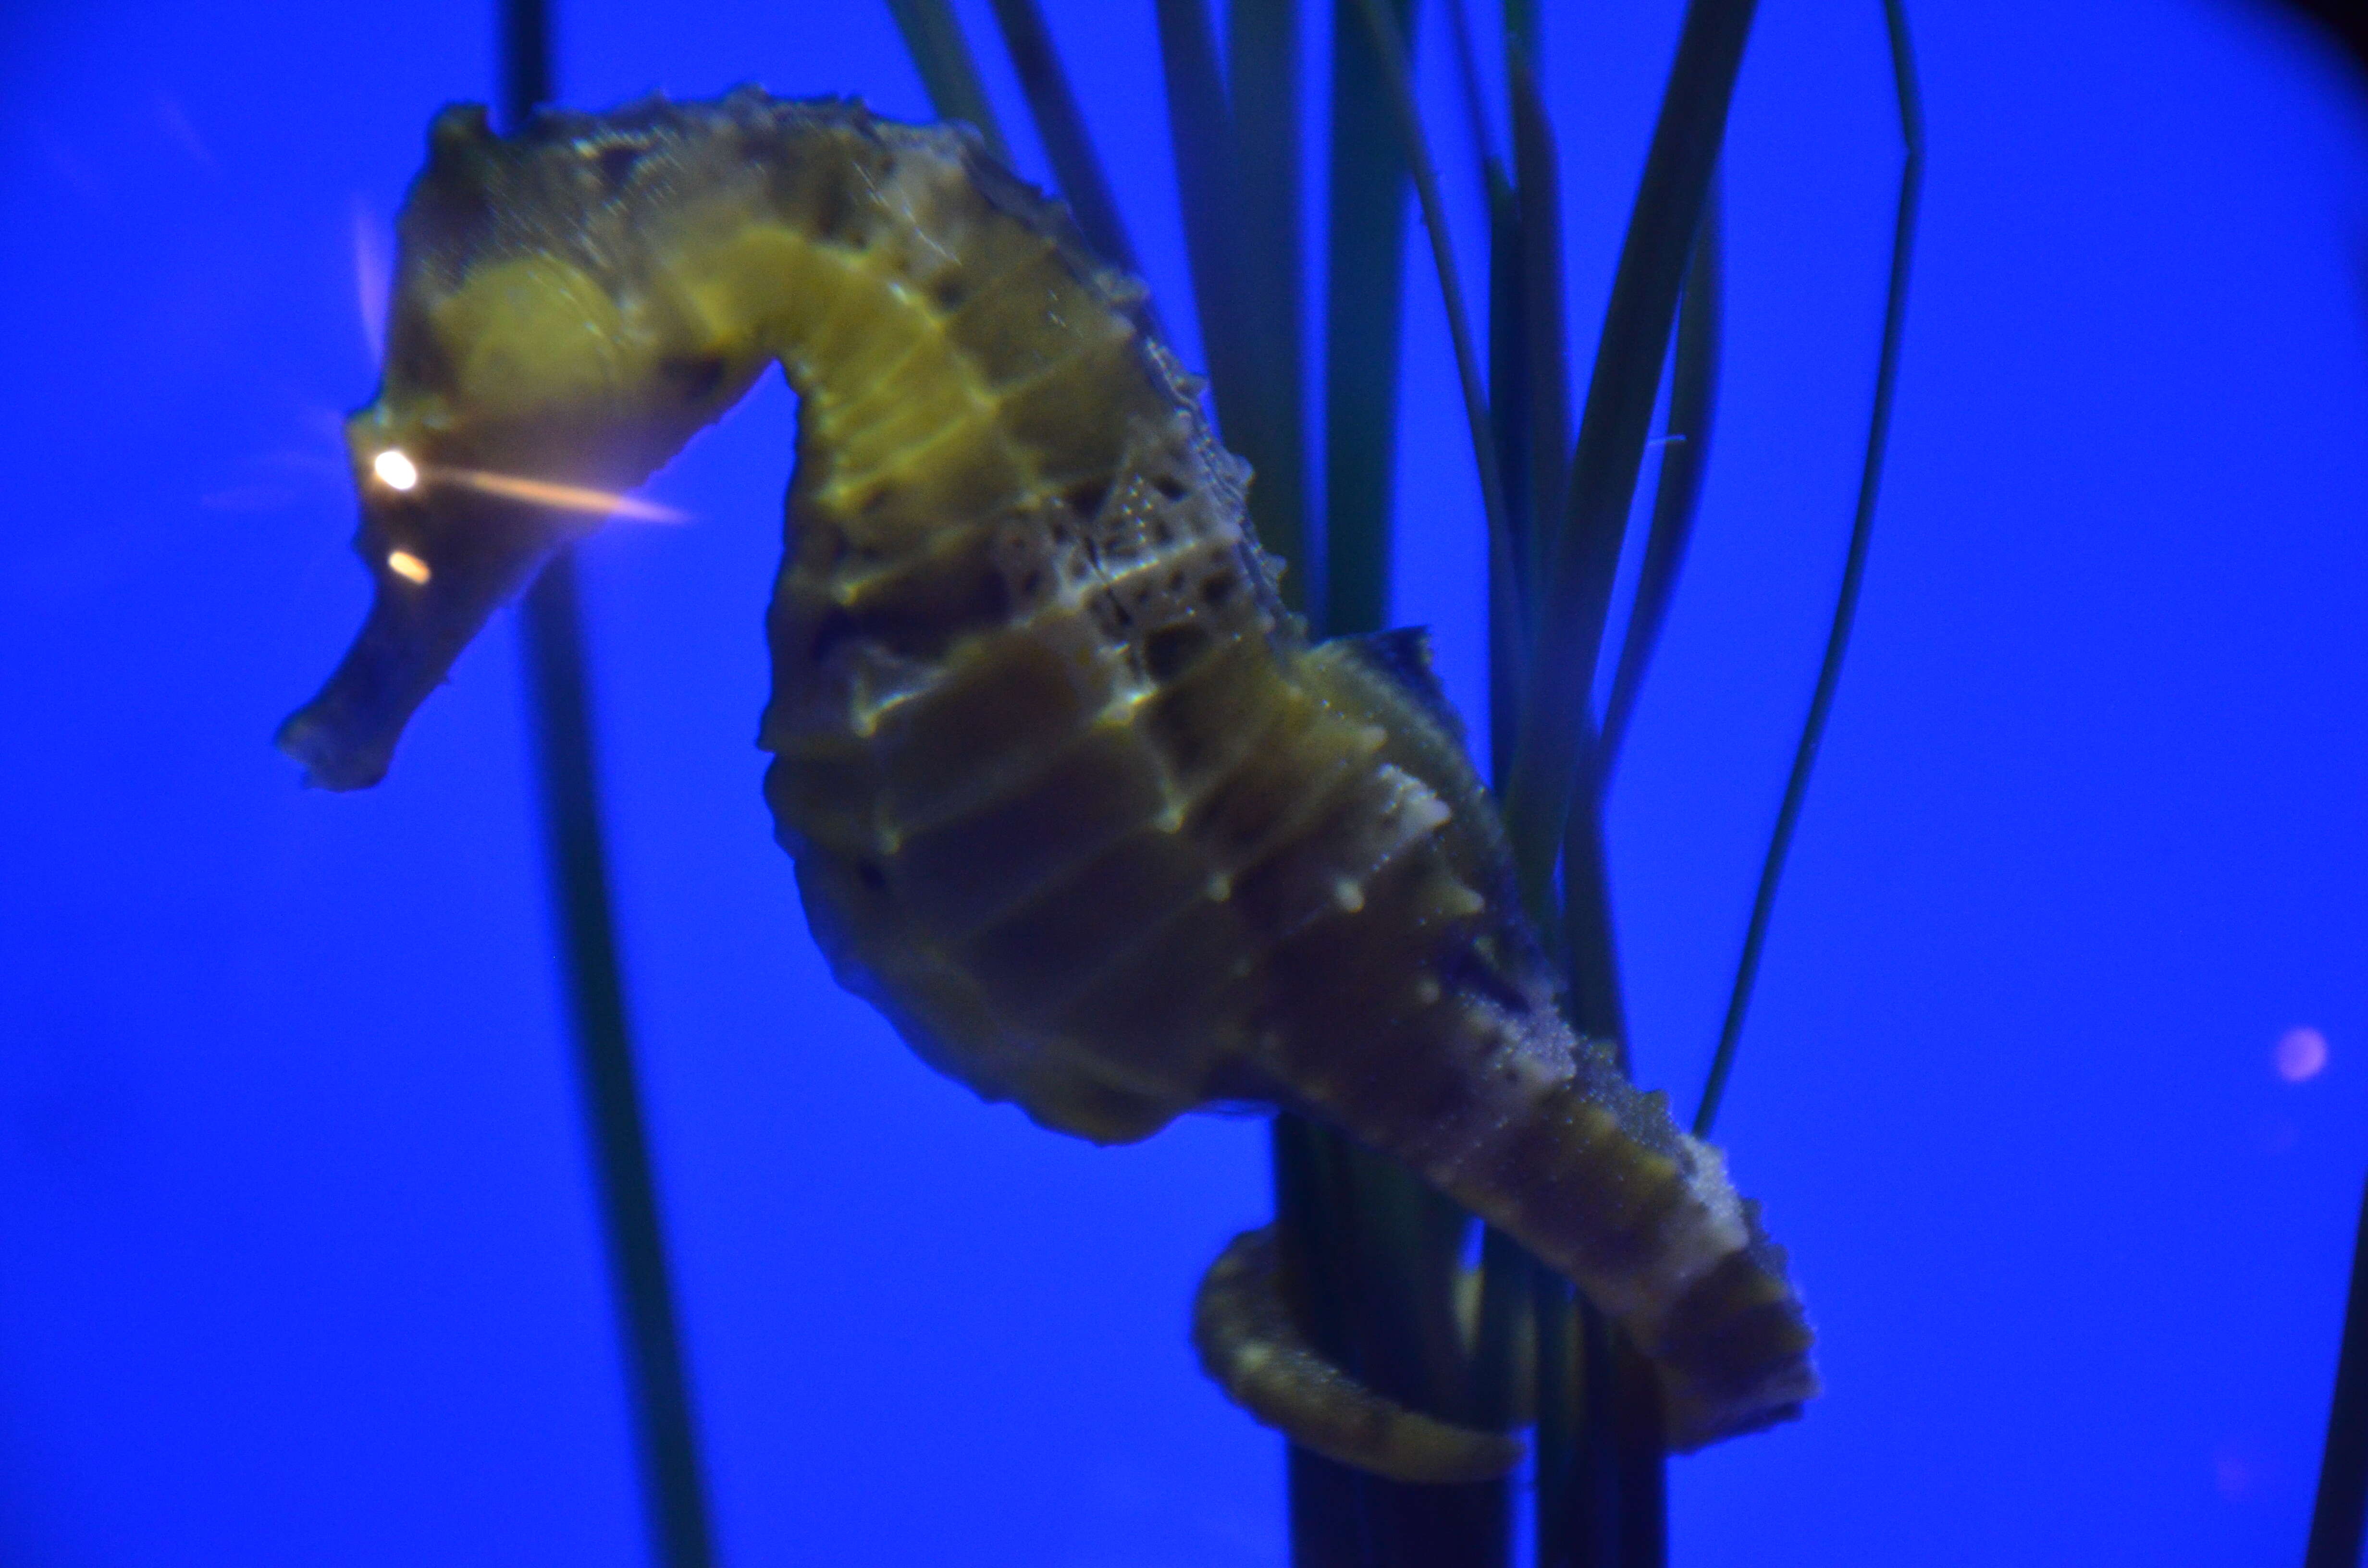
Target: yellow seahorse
(1071,798)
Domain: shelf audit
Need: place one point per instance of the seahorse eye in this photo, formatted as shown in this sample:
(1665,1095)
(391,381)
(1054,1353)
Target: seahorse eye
(394,470)
(408,567)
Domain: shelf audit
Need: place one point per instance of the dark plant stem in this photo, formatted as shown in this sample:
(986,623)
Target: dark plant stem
(1685,455)
(1254,416)
(1620,394)
(673,1484)
(1582,928)
(1363,312)
(2336,1519)
(1543,417)
(1510,352)
(1564,1486)
(1330,1527)
(1384,1262)
(1830,671)
(1262,88)
(675,1492)
(1397,84)
(1639,1457)
(933,37)
(1062,128)
(1475,101)
(1592,1494)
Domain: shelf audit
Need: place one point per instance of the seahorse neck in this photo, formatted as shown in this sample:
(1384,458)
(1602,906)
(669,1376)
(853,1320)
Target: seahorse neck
(942,326)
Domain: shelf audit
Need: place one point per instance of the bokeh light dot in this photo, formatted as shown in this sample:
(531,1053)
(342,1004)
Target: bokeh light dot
(2300,1054)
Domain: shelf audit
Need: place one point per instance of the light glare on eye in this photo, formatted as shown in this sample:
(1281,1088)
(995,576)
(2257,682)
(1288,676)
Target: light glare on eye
(407,566)
(395,471)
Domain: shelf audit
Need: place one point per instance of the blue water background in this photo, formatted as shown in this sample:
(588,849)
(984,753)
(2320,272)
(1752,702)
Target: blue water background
(298,1257)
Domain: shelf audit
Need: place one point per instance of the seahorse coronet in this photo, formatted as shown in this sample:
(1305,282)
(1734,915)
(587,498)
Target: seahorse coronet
(1071,798)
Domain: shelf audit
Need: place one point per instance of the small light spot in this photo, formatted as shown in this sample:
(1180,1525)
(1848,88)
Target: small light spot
(1348,895)
(1219,888)
(2300,1054)
(395,471)
(2237,1472)
(407,566)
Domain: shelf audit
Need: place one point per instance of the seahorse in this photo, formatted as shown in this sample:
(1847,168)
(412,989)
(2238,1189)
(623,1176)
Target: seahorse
(1072,799)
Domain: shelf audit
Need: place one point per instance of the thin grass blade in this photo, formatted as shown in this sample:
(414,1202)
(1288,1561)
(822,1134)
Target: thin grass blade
(1522,27)
(1582,933)
(1062,128)
(1621,395)
(1475,100)
(933,37)
(1545,404)
(1363,316)
(1371,1258)
(2336,1519)
(673,1479)
(1208,175)
(1509,398)
(1685,455)
(1507,405)
(1208,178)
(666,1432)
(1389,49)
(1561,1394)
(1575,1495)
(1504,1353)
(1638,1458)
(1262,56)
(1829,670)
(1510,585)
(1604,1503)
(1330,1523)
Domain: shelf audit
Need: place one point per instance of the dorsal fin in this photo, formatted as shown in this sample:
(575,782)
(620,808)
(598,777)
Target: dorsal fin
(1402,657)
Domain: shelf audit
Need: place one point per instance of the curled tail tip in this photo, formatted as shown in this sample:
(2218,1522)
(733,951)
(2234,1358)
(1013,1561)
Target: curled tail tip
(1250,1345)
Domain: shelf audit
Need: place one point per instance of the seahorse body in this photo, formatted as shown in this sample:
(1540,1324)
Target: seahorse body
(1071,798)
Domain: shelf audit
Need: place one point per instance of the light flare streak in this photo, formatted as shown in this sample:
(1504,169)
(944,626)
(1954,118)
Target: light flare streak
(560,497)
(373,278)
(396,471)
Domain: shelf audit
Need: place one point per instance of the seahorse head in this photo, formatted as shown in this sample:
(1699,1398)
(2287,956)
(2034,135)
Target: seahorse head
(542,357)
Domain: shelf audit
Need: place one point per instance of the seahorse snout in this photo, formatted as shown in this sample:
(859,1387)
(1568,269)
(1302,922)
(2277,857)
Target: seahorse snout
(441,565)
